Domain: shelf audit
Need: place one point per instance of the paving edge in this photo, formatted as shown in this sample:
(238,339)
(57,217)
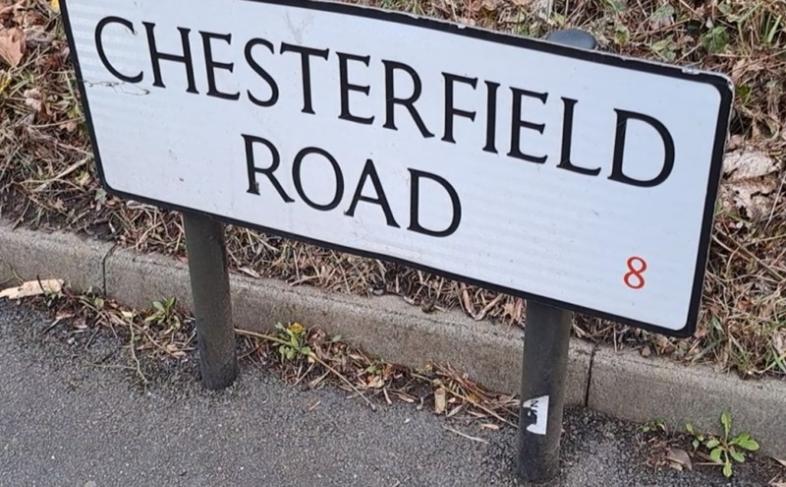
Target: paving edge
(622,384)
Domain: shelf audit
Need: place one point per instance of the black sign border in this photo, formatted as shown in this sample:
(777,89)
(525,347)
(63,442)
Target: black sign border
(724,86)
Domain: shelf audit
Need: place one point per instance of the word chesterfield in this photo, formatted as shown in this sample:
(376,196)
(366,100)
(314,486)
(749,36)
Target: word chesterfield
(399,98)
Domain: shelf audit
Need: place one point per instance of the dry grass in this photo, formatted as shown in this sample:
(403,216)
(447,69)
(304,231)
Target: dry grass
(47,178)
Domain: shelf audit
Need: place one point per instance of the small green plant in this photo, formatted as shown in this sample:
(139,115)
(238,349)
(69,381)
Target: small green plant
(715,40)
(663,16)
(373,369)
(621,34)
(295,346)
(654,426)
(616,6)
(665,48)
(92,302)
(164,315)
(726,449)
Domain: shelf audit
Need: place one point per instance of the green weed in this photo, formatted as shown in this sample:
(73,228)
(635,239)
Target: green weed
(725,450)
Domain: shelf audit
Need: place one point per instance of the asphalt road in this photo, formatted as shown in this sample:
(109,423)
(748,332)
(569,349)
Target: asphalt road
(65,422)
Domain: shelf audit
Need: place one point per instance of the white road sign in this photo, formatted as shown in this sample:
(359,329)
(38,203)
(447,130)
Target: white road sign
(582,179)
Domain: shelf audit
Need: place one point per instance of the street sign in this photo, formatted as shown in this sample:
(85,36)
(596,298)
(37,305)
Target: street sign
(580,179)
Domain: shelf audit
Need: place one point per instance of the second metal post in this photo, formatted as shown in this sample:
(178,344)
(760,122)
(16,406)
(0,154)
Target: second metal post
(546,340)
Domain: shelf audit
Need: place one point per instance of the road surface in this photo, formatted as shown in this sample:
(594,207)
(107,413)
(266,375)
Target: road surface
(66,422)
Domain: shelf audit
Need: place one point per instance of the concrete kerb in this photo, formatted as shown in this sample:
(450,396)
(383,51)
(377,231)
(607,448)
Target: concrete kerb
(622,384)
(27,254)
(628,386)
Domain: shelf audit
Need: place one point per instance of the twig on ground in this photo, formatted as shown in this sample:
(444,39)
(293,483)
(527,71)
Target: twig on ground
(132,347)
(464,435)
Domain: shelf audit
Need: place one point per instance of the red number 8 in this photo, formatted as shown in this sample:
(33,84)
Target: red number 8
(635,278)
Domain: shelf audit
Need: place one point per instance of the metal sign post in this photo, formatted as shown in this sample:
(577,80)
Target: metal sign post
(207,266)
(545,363)
(542,391)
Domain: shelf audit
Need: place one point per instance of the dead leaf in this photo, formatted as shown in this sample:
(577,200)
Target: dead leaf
(542,8)
(375,382)
(71,127)
(750,183)
(55,6)
(489,5)
(662,17)
(33,288)
(455,410)
(34,100)
(748,164)
(754,197)
(12,45)
(679,459)
(174,351)
(440,400)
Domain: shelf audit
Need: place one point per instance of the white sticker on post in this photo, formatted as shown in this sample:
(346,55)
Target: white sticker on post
(536,415)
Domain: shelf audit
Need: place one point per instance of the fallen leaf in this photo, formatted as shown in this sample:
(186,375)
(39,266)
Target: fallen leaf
(489,5)
(542,8)
(33,288)
(440,400)
(12,45)
(662,17)
(33,99)
(55,6)
(747,164)
(174,351)
(754,197)
(750,183)
(375,382)
(455,410)
(71,127)
(679,459)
